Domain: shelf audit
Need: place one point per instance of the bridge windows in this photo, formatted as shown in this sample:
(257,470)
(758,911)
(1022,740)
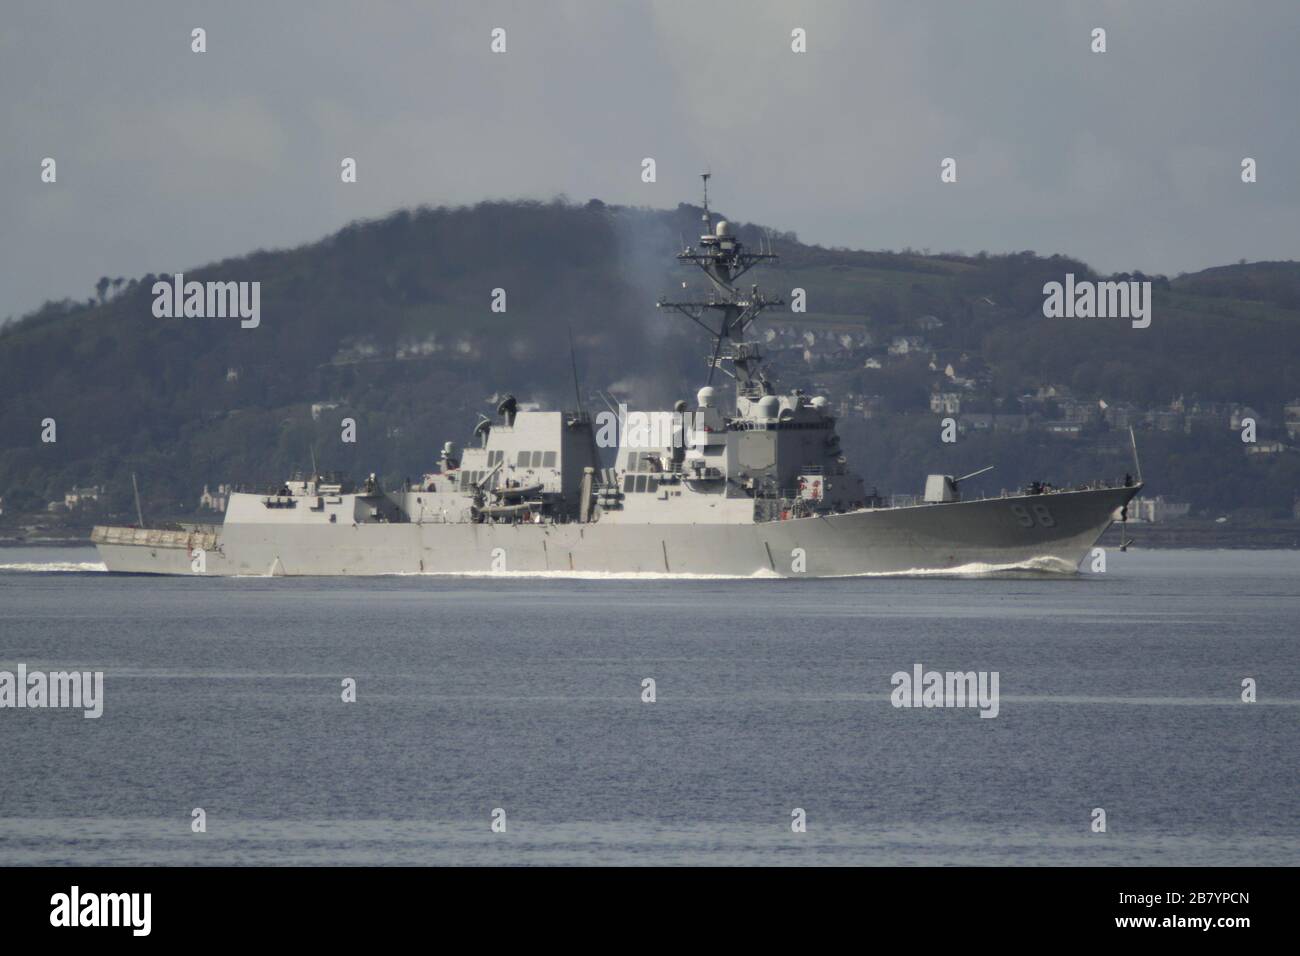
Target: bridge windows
(468,479)
(534,459)
(640,484)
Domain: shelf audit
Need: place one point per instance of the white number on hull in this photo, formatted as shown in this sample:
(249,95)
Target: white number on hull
(1040,516)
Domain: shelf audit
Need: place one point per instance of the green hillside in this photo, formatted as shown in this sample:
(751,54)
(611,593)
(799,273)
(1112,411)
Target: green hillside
(389,322)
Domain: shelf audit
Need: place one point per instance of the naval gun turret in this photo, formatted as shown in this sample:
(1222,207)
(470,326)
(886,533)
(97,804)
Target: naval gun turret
(944,488)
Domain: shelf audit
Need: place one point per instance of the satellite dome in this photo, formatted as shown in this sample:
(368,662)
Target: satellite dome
(723,228)
(705,397)
(768,406)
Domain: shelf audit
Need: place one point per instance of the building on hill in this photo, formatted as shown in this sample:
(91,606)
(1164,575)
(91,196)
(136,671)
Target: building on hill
(1049,393)
(215,501)
(1064,429)
(80,497)
(1082,412)
(1291,418)
(975,422)
(961,381)
(907,344)
(945,403)
(1240,412)
(1157,509)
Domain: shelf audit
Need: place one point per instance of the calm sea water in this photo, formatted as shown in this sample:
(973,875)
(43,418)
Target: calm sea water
(1119,691)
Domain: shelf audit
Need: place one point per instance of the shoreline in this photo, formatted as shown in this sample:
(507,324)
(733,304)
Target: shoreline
(1206,536)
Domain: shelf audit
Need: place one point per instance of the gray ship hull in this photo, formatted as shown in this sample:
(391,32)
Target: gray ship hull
(693,491)
(1054,531)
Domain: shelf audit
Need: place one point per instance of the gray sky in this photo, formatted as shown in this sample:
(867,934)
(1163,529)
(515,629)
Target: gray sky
(169,159)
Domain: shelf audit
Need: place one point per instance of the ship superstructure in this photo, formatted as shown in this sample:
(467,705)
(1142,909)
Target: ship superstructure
(754,483)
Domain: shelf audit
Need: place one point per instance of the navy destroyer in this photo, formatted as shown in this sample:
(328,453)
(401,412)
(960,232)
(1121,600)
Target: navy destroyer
(754,484)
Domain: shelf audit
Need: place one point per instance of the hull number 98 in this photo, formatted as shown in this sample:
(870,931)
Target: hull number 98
(1036,514)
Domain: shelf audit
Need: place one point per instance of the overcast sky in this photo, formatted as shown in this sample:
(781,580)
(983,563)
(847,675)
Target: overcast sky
(169,159)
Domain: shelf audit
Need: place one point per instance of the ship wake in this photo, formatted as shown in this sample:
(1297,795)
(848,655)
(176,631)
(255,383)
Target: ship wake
(586,575)
(47,567)
(1044,566)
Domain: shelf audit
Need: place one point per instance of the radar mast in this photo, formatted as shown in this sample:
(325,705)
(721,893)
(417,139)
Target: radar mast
(723,259)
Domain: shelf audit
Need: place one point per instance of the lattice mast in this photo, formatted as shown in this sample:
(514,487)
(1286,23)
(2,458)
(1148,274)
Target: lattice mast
(723,259)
